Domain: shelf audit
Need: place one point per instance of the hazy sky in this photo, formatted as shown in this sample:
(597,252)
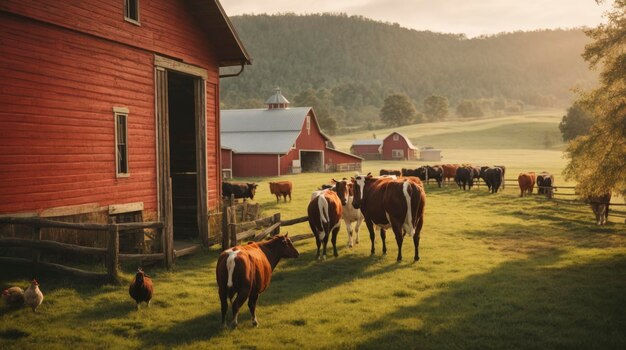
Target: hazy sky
(472,17)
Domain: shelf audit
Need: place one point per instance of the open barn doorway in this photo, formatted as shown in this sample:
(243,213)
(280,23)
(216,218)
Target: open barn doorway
(312,161)
(183,170)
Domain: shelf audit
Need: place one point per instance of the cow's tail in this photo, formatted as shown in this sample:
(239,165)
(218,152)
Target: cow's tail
(322,205)
(408,219)
(230,266)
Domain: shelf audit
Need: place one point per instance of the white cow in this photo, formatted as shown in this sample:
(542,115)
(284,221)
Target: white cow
(349,216)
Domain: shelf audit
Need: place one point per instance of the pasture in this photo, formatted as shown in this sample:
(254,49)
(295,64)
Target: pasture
(496,271)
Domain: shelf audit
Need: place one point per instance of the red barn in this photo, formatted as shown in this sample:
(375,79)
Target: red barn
(368,149)
(397,147)
(103,102)
(279,140)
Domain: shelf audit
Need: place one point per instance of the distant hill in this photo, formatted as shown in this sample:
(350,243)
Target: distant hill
(353,63)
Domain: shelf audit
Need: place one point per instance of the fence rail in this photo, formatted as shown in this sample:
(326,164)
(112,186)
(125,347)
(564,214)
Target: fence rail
(111,253)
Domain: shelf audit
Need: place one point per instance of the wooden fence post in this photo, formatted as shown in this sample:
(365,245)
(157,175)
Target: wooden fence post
(225,216)
(113,249)
(275,220)
(36,237)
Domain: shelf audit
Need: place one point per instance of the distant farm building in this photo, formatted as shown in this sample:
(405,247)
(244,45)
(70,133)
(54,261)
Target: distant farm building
(429,154)
(367,149)
(398,147)
(110,112)
(278,140)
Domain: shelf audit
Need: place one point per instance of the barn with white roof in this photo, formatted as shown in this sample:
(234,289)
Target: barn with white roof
(278,140)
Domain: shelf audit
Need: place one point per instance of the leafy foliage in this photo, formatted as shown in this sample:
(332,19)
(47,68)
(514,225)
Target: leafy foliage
(469,109)
(598,159)
(398,110)
(435,108)
(359,62)
(321,106)
(575,123)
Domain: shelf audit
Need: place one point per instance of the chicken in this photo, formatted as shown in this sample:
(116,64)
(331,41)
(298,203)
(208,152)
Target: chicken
(13,296)
(33,296)
(141,288)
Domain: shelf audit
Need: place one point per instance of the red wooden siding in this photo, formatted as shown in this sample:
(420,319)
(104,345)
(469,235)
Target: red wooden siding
(167,26)
(365,149)
(252,165)
(227,159)
(334,157)
(58,87)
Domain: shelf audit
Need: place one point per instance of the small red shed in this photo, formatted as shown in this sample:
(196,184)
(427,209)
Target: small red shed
(111,108)
(398,147)
(367,149)
(279,140)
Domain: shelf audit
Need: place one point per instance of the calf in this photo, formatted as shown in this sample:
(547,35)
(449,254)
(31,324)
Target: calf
(526,183)
(239,190)
(281,188)
(245,271)
(545,183)
(391,203)
(325,210)
(600,207)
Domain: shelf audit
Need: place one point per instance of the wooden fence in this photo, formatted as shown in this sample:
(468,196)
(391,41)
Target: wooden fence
(111,253)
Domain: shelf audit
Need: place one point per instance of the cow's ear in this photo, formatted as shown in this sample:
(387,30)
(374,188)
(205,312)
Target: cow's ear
(287,235)
(333,181)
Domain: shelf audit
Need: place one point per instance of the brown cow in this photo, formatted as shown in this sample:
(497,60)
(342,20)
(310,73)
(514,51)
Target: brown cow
(395,203)
(281,188)
(246,271)
(449,171)
(325,210)
(526,183)
(600,207)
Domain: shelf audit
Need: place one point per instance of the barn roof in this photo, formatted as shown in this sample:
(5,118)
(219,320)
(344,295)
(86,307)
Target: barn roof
(369,142)
(212,18)
(262,130)
(277,98)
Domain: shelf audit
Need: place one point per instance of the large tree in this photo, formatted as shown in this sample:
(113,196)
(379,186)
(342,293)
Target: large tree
(398,110)
(435,108)
(598,159)
(575,123)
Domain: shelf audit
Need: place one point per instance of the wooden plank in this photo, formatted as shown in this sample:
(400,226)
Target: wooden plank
(36,236)
(186,251)
(266,232)
(113,249)
(167,63)
(295,221)
(301,237)
(70,210)
(54,268)
(125,208)
(276,220)
(245,234)
(51,245)
(38,222)
(139,225)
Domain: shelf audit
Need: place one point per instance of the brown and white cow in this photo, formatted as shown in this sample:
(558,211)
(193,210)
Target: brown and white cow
(600,207)
(391,203)
(526,183)
(243,272)
(325,210)
(281,188)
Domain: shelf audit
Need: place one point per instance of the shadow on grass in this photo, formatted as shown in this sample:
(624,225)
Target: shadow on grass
(531,303)
(201,328)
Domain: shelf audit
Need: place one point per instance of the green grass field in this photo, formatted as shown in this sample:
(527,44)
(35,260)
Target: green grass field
(496,272)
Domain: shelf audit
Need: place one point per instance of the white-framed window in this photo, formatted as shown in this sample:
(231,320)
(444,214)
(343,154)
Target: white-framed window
(131,11)
(396,137)
(121,141)
(308,125)
(397,153)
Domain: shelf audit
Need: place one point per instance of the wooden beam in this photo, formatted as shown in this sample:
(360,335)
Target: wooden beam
(146,257)
(39,222)
(113,250)
(295,221)
(125,208)
(301,237)
(245,234)
(186,251)
(70,210)
(178,66)
(51,245)
(54,268)
(266,232)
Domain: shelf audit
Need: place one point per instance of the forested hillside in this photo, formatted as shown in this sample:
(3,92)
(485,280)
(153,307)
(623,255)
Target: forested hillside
(346,66)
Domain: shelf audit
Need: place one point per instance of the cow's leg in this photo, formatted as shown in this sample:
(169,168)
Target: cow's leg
(416,238)
(383,237)
(397,231)
(237,303)
(324,244)
(334,240)
(370,228)
(252,306)
(357,226)
(319,244)
(349,228)
(223,292)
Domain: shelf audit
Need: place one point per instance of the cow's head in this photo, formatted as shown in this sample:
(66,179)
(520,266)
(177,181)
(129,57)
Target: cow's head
(358,185)
(251,189)
(341,187)
(284,247)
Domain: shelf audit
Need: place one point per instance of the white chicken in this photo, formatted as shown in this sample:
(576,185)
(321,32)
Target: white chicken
(33,296)
(13,296)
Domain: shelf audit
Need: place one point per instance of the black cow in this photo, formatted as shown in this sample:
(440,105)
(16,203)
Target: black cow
(409,172)
(435,172)
(545,183)
(464,178)
(493,179)
(239,190)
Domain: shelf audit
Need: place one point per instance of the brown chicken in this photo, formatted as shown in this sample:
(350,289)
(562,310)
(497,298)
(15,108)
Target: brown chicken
(141,288)
(13,296)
